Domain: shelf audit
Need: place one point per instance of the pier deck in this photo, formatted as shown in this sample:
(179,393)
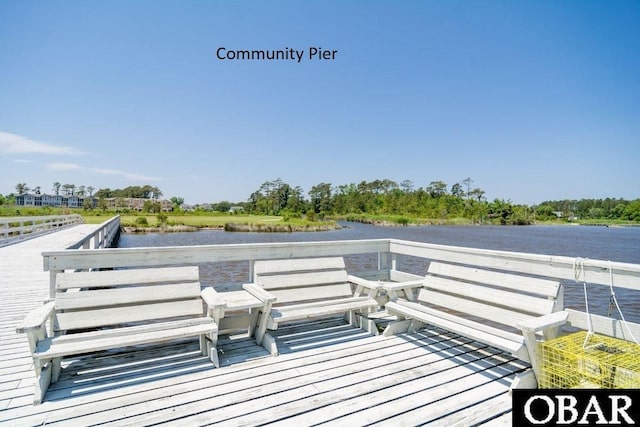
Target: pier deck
(24,285)
(328,372)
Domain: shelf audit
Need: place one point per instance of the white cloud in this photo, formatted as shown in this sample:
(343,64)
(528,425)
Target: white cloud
(107,171)
(138,177)
(128,175)
(102,171)
(64,166)
(15,144)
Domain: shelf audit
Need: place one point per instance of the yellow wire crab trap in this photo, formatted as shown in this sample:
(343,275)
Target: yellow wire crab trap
(603,363)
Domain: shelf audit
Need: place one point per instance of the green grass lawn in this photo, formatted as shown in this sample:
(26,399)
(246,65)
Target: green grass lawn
(241,222)
(200,221)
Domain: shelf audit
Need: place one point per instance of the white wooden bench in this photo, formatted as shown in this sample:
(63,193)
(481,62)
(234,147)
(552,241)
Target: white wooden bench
(305,288)
(492,307)
(95,311)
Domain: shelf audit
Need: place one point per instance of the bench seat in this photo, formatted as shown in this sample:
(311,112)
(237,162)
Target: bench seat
(104,310)
(499,338)
(311,310)
(106,339)
(501,309)
(306,288)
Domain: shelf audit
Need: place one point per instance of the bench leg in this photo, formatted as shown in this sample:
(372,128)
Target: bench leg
(262,327)
(253,323)
(414,326)
(269,343)
(204,348)
(209,347)
(397,327)
(526,379)
(56,368)
(368,324)
(43,380)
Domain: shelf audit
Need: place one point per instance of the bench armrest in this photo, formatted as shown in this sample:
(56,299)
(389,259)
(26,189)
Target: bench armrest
(258,292)
(213,298)
(369,284)
(36,318)
(547,321)
(393,287)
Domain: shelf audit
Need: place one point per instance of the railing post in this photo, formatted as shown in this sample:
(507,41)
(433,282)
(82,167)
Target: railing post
(383,261)
(251,270)
(52,282)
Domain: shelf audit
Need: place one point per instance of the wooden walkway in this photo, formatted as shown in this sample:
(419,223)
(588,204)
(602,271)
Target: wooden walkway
(24,285)
(327,373)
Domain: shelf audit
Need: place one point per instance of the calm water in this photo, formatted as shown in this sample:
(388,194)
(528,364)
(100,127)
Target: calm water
(613,243)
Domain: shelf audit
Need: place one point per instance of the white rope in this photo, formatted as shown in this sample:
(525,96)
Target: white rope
(615,300)
(578,270)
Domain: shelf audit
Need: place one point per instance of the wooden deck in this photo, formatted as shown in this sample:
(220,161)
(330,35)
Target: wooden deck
(328,372)
(24,285)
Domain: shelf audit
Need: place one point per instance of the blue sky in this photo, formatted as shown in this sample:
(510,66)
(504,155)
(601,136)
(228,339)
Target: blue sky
(534,100)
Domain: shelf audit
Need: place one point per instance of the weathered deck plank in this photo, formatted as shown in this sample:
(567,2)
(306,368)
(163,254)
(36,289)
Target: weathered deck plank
(24,285)
(404,379)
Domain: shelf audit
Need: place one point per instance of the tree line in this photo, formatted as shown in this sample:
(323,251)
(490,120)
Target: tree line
(436,201)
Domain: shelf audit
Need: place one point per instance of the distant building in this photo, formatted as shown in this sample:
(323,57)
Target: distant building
(53,200)
(234,209)
(131,203)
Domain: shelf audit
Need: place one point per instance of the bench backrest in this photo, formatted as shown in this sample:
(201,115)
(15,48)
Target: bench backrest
(303,280)
(97,299)
(498,297)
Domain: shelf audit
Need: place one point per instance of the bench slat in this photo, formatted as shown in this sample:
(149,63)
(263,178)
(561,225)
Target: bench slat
(298,264)
(324,303)
(128,314)
(133,330)
(521,302)
(299,314)
(543,287)
(486,311)
(122,296)
(512,336)
(48,348)
(297,280)
(112,278)
(513,347)
(287,296)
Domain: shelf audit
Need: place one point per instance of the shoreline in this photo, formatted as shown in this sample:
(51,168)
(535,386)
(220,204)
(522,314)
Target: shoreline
(234,227)
(289,228)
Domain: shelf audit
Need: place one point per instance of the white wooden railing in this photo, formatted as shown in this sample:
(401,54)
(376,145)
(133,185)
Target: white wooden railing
(32,225)
(388,252)
(102,237)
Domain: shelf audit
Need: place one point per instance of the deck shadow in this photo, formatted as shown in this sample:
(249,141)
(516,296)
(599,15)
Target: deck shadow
(114,370)
(306,335)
